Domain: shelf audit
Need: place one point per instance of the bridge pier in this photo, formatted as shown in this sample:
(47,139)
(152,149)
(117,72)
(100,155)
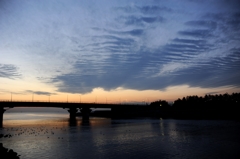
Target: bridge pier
(2,110)
(72,113)
(85,113)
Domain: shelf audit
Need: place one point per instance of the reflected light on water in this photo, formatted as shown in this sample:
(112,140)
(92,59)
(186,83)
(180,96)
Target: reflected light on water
(33,119)
(161,127)
(47,135)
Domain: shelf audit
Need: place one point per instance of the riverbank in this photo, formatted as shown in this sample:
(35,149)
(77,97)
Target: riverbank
(8,153)
(156,112)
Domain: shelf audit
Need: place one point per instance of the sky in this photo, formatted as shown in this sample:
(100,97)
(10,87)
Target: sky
(118,51)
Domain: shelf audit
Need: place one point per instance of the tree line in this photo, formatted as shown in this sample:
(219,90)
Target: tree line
(218,101)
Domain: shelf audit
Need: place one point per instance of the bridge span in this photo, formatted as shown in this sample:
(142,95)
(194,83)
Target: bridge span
(73,108)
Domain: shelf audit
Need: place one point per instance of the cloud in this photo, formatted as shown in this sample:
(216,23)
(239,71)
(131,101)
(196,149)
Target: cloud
(139,46)
(146,9)
(153,9)
(9,71)
(199,33)
(227,22)
(190,41)
(142,20)
(135,32)
(193,57)
(198,72)
(202,23)
(40,92)
(171,67)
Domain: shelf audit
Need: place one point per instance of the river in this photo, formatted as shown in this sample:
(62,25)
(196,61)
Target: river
(50,135)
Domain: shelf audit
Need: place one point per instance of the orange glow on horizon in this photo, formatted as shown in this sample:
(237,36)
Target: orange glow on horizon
(119,95)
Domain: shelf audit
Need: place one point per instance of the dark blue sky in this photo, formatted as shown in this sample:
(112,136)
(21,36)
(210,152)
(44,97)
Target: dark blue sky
(53,47)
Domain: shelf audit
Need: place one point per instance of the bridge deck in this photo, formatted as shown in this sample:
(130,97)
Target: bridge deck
(62,105)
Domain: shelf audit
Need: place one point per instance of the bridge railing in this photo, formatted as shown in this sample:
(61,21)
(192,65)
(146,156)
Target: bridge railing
(55,101)
(47,101)
(36,101)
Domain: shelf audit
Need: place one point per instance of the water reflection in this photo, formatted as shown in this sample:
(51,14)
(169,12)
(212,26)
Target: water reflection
(51,137)
(85,122)
(161,127)
(72,122)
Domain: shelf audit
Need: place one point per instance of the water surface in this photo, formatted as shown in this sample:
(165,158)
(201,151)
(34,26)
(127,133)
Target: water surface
(52,135)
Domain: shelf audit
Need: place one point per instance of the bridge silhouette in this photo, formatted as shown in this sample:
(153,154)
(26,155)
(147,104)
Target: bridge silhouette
(73,108)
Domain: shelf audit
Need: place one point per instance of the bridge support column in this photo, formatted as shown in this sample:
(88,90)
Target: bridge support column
(72,113)
(2,110)
(85,113)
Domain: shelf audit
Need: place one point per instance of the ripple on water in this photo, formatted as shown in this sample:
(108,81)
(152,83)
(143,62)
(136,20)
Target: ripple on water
(106,138)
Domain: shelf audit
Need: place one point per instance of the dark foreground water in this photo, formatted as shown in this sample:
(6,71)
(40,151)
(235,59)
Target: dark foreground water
(46,135)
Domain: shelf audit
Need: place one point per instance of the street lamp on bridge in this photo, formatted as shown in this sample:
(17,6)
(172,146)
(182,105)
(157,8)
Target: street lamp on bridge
(32,96)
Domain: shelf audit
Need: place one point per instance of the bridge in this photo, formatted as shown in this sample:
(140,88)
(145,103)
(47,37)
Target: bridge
(73,108)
